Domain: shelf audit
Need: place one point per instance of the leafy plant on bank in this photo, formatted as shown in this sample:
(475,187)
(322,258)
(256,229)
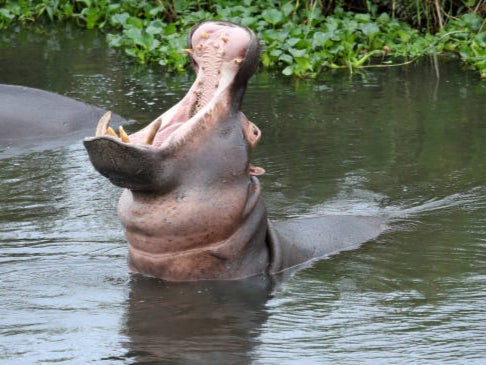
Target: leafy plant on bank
(467,37)
(296,37)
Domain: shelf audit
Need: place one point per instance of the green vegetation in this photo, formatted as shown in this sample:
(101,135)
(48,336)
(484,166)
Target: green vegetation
(299,38)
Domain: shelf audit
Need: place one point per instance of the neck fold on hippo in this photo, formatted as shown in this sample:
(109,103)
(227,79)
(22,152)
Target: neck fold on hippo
(186,236)
(191,208)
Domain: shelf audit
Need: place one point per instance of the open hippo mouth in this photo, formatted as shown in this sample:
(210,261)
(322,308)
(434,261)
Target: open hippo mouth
(224,57)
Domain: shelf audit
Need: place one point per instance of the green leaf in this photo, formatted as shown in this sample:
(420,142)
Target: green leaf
(266,60)
(170,29)
(369,28)
(271,35)
(287,9)
(298,52)
(136,22)
(114,40)
(275,53)
(472,21)
(120,19)
(404,36)
(134,34)
(156,11)
(384,18)
(155,27)
(292,41)
(91,16)
(303,62)
(273,16)
(288,71)
(363,18)
(248,21)
(286,58)
(6,13)
(320,39)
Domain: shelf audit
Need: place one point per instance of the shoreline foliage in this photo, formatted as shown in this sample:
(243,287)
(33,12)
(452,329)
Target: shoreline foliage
(298,38)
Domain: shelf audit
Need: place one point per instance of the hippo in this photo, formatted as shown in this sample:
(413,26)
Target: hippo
(191,205)
(33,116)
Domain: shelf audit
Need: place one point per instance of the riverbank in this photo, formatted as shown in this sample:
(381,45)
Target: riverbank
(300,40)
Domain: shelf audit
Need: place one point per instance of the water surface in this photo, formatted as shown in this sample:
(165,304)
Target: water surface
(395,142)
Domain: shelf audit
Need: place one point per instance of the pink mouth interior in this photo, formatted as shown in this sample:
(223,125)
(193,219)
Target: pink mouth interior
(217,52)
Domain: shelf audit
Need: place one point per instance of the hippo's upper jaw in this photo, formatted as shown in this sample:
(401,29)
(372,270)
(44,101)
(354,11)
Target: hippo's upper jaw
(224,57)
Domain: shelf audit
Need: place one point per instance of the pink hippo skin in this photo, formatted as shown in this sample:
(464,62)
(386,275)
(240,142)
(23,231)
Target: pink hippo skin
(192,207)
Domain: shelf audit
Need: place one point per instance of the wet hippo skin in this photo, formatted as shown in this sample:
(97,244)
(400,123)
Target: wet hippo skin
(33,115)
(192,206)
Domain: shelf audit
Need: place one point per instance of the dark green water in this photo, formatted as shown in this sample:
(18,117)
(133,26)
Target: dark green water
(396,142)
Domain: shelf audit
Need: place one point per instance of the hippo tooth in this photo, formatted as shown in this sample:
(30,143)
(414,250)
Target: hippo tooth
(103,124)
(199,46)
(111,132)
(238,60)
(256,171)
(224,39)
(205,35)
(153,131)
(123,135)
(188,50)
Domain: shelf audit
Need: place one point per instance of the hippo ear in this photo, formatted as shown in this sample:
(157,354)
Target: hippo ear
(128,166)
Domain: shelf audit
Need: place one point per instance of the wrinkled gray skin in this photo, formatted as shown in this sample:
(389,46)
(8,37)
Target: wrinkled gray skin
(191,206)
(30,116)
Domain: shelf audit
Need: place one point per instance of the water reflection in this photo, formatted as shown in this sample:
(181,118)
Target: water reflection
(203,323)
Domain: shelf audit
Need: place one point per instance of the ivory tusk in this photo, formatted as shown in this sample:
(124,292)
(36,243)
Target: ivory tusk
(123,135)
(111,132)
(153,131)
(103,124)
